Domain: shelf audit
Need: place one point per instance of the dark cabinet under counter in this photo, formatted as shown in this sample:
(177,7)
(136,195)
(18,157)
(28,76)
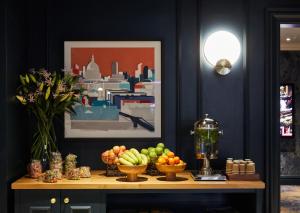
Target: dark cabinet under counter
(37,201)
(56,201)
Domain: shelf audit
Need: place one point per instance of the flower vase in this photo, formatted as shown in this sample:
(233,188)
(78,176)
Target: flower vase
(44,141)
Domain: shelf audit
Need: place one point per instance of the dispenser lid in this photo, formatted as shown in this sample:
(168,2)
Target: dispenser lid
(206,123)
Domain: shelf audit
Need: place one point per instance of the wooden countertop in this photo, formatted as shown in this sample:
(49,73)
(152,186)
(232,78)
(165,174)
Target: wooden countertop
(100,181)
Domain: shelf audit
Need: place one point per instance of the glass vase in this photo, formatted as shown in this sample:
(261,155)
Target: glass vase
(44,141)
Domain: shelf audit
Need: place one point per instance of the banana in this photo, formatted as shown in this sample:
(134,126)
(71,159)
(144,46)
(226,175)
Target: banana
(132,156)
(137,155)
(127,157)
(125,162)
(144,159)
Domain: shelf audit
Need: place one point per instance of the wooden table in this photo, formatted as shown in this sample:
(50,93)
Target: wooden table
(147,184)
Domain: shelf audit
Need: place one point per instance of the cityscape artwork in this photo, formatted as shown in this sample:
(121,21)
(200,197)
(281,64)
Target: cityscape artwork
(120,89)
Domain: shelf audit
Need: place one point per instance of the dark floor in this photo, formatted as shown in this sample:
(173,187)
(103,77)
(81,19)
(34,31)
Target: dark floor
(290,199)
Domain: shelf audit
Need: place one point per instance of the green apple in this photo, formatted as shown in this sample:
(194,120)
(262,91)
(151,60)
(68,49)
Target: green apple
(152,154)
(145,151)
(159,150)
(150,149)
(160,145)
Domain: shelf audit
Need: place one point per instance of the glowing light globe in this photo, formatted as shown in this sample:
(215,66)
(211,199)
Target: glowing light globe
(222,45)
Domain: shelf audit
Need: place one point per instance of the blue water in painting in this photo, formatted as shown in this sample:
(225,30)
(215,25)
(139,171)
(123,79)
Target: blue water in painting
(98,112)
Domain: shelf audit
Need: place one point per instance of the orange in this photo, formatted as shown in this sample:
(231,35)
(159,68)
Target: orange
(176,160)
(165,157)
(161,161)
(171,154)
(171,161)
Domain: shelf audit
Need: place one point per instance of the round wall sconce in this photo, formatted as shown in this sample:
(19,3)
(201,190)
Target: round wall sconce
(222,49)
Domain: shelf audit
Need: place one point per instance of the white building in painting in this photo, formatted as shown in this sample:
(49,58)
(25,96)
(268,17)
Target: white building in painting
(92,70)
(138,72)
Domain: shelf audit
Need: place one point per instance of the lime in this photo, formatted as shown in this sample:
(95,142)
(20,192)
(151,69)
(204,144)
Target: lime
(144,151)
(160,145)
(159,150)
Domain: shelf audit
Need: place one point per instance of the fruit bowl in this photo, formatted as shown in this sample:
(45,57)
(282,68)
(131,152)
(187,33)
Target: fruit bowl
(132,171)
(170,170)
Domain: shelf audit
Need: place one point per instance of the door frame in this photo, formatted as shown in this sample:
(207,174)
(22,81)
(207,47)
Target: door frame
(274,17)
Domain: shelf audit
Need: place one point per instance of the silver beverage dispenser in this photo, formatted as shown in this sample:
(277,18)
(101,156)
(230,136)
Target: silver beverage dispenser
(206,144)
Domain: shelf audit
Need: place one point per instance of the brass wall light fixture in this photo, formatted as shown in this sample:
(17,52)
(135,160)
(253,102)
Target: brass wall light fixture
(222,49)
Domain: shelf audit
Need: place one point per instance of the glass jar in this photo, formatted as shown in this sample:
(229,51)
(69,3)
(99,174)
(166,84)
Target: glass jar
(85,171)
(74,174)
(57,173)
(56,161)
(50,176)
(35,169)
(70,163)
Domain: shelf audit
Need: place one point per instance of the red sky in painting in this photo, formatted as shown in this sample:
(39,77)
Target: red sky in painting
(128,58)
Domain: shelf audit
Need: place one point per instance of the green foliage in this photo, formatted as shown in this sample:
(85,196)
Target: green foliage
(46,95)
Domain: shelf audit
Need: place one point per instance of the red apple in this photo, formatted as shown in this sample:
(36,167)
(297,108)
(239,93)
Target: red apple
(105,156)
(111,155)
(123,148)
(116,149)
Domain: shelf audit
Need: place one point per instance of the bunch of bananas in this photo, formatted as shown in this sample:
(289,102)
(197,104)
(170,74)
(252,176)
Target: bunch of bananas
(133,157)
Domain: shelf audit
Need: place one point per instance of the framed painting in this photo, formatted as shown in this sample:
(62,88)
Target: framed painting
(120,89)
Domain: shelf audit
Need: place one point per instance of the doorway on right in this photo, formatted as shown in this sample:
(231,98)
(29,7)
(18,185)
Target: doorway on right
(289,118)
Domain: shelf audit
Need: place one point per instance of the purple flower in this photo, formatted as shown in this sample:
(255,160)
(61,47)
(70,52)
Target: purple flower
(31,98)
(38,92)
(46,74)
(48,81)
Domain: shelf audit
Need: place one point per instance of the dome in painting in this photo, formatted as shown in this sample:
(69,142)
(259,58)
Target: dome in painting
(93,70)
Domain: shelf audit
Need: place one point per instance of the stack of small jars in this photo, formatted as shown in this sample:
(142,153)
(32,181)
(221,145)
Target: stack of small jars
(55,171)
(236,167)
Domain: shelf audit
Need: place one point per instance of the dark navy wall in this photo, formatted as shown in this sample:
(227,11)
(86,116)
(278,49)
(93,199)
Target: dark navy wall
(2,112)
(14,151)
